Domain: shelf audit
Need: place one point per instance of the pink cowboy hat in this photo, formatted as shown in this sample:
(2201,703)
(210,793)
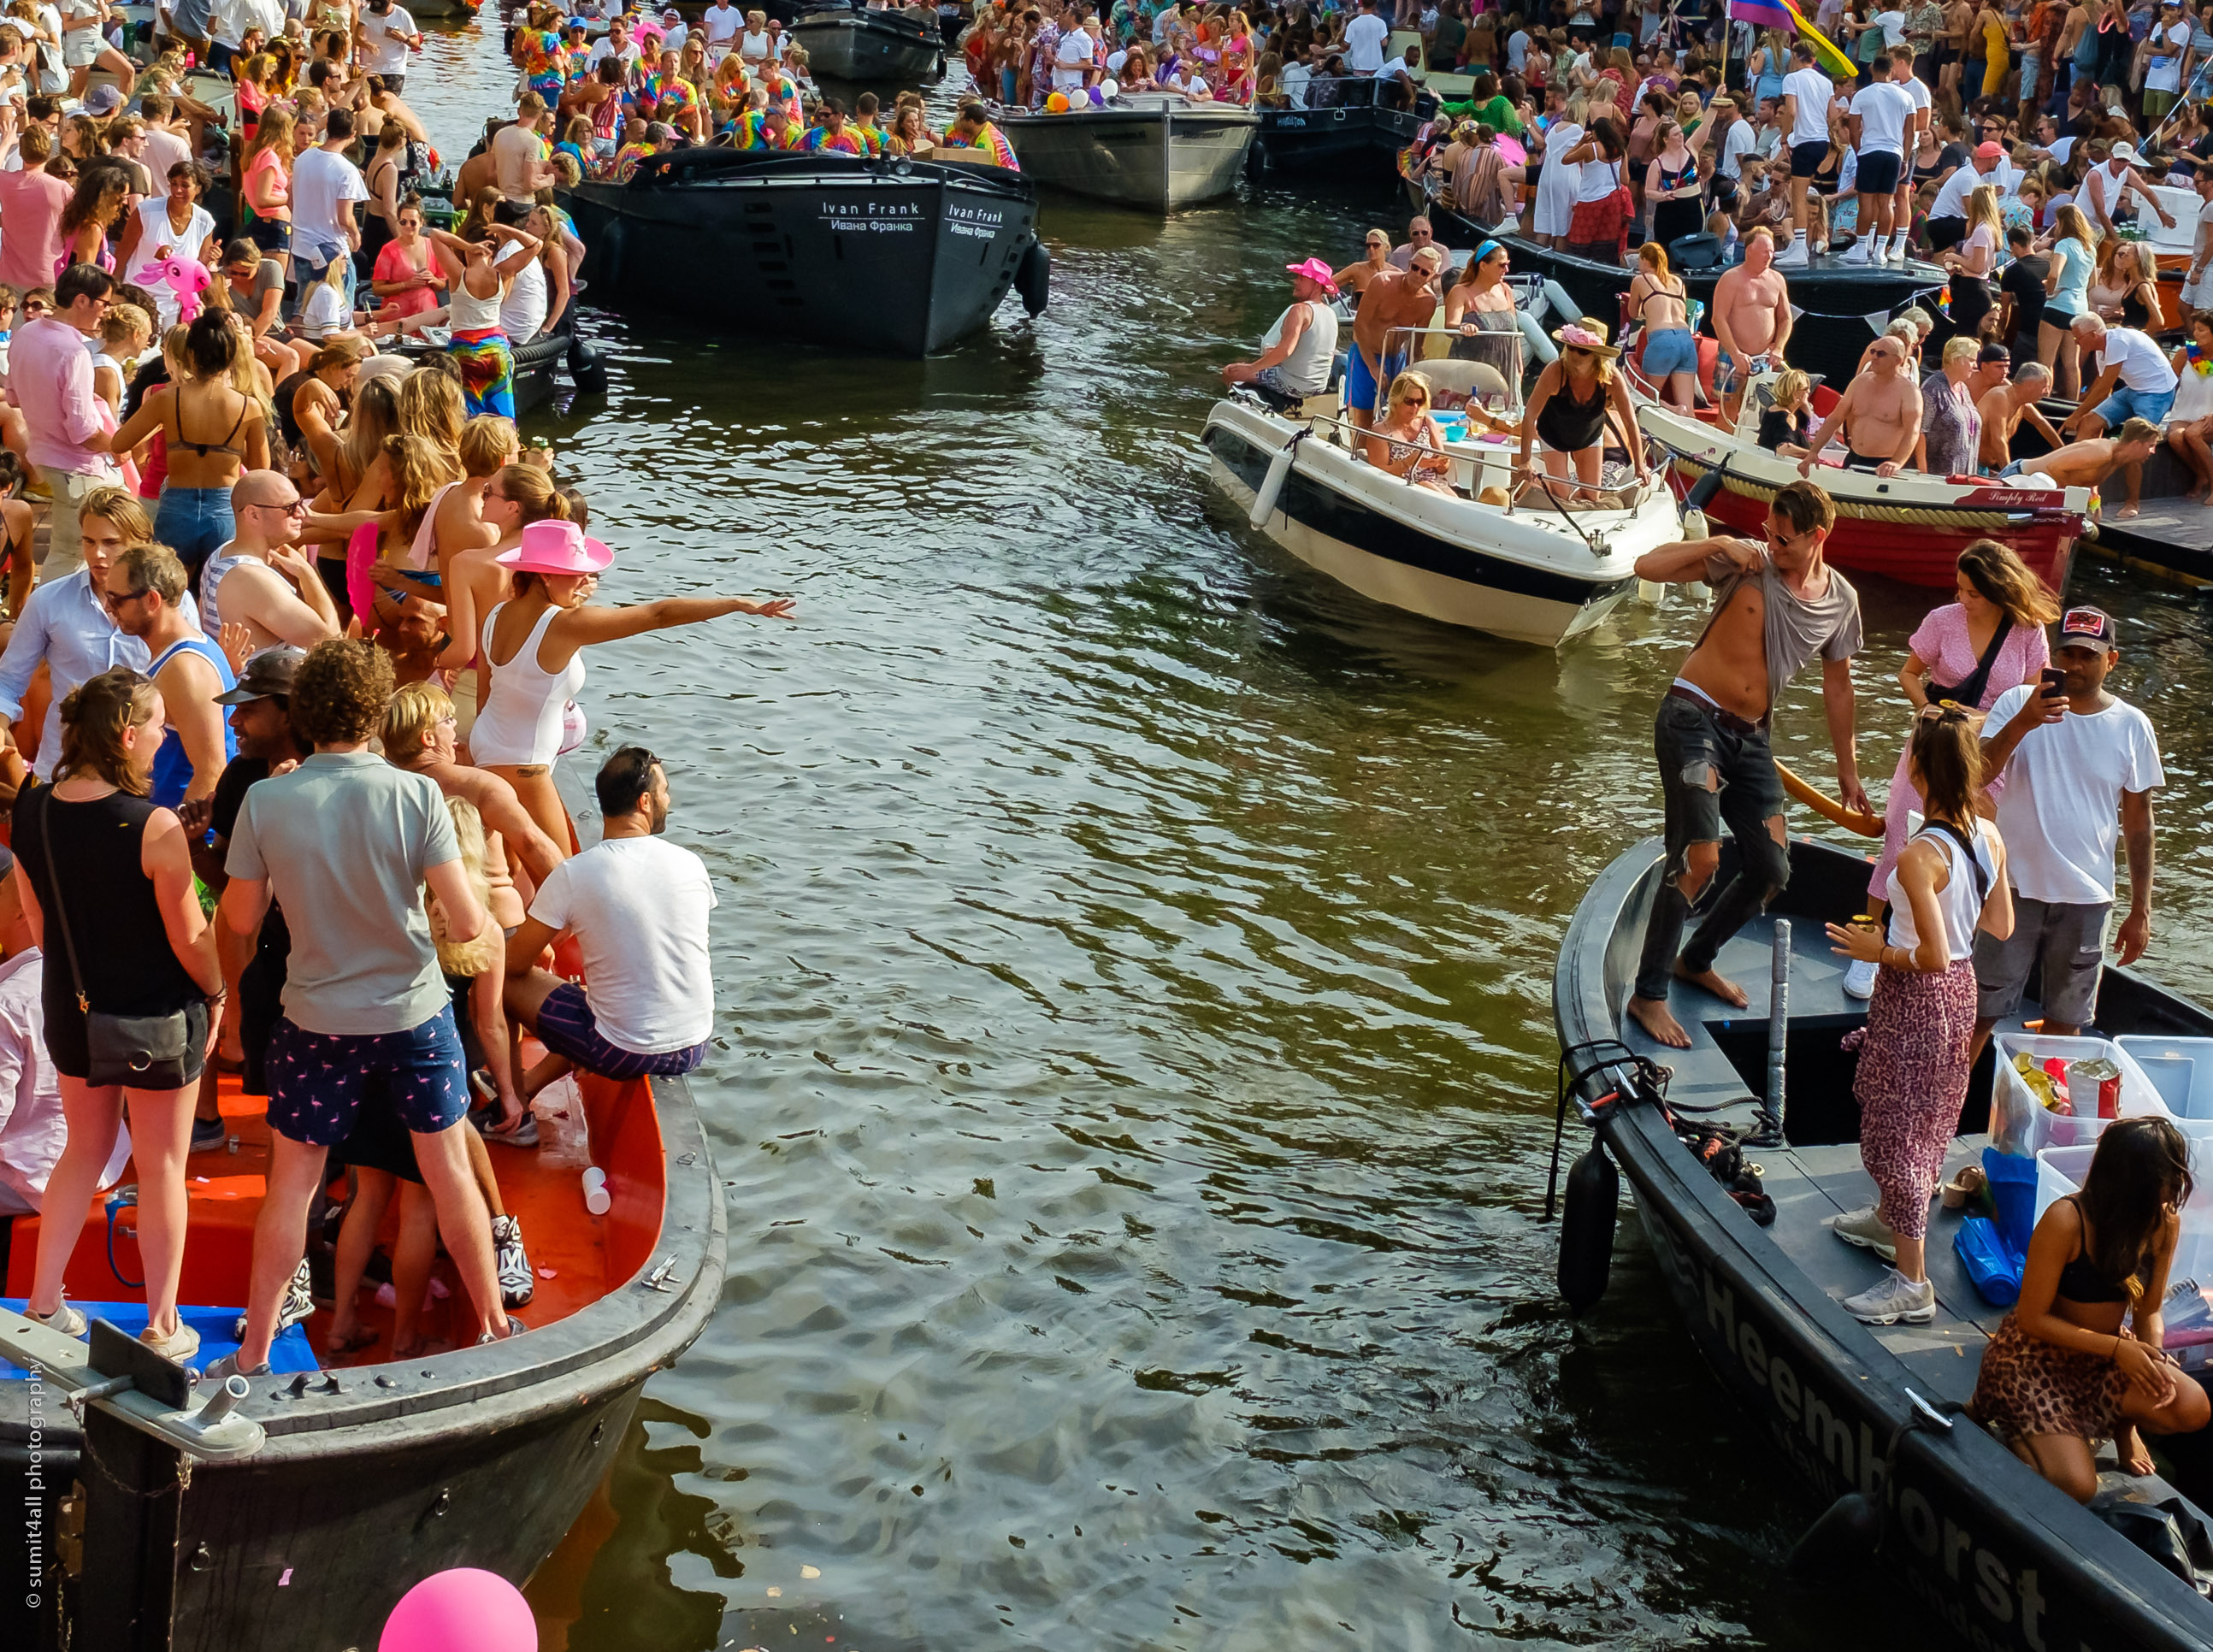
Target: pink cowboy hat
(1316,272)
(556,548)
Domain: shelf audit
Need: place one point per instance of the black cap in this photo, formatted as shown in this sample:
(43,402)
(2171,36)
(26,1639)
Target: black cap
(2088,628)
(1989,353)
(269,672)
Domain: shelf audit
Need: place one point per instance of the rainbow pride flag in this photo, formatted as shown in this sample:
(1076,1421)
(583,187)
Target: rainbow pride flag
(1783,14)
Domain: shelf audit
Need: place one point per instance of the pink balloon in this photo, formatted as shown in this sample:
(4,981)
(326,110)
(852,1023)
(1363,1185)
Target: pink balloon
(464,1610)
(1511,148)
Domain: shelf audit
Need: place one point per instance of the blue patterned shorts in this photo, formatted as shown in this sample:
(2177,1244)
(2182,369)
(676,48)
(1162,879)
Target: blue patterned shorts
(567,1028)
(317,1080)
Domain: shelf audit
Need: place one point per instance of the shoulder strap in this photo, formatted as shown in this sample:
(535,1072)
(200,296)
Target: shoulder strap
(1966,847)
(54,888)
(1969,690)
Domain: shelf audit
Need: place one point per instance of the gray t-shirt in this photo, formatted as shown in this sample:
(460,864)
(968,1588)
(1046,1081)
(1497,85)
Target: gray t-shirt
(1795,629)
(345,841)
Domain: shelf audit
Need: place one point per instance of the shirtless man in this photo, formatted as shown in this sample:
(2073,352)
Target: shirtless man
(1396,298)
(1880,414)
(1752,319)
(2003,409)
(1775,607)
(259,580)
(2089,463)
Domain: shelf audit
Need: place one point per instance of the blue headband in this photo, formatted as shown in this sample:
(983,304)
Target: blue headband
(1486,250)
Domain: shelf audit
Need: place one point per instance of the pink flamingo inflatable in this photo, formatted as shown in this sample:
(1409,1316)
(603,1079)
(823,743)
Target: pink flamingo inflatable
(187,277)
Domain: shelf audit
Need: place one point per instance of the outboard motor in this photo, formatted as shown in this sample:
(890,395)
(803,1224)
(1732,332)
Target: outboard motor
(1033,277)
(588,369)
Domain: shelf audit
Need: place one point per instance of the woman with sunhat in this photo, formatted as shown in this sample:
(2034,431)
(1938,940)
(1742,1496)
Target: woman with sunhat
(533,643)
(1568,410)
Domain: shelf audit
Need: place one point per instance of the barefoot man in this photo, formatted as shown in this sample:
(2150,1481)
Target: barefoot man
(2133,380)
(1775,607)
(1396,298)
(2088,464)
(1752,319)
(1878,414)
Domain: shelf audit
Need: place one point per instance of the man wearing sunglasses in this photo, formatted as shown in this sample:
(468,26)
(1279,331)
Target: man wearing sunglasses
(259,579)
(1879,415)
(1775,607)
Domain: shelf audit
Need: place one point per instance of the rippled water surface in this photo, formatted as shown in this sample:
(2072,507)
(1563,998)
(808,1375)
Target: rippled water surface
(1135,1064)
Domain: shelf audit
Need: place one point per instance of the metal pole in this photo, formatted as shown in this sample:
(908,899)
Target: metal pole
(1778,1023)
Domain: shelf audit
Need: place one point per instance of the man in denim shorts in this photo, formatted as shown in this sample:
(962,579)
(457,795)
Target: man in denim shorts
(344,843)
(2080,765)
(1775,607)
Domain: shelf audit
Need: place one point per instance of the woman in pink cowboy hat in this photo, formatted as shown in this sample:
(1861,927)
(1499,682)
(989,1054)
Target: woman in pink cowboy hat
(534,645)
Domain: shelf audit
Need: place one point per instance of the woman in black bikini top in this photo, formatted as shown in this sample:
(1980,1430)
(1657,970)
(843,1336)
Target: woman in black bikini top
(1568,407)
(195,519)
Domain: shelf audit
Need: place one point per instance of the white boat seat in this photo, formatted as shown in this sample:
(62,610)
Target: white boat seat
(1455,381)
(1329,403)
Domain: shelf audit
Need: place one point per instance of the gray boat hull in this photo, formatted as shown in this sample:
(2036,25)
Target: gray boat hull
(1155,159)
(872,47)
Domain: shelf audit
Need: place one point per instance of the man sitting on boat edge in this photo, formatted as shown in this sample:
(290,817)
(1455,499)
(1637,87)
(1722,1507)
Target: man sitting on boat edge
(1297,364)
(1775,608)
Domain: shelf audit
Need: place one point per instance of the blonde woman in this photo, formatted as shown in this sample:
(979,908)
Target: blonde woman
(1975,261)
(1405,440)
(265,191)
(2074,251)
(1570,409)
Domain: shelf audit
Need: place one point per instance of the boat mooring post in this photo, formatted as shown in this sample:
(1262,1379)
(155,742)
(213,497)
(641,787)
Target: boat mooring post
(1778,1024)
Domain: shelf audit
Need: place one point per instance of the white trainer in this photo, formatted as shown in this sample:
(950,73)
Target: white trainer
(1860,251)
(1859,979)
(1867,1229)
(1895,1298)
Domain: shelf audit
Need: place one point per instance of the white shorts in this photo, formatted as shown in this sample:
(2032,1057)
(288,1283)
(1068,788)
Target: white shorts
(82,49)
(2198,293)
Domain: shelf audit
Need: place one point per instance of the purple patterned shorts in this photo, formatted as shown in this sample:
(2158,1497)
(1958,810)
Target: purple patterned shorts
(566,1027)
(318,1081)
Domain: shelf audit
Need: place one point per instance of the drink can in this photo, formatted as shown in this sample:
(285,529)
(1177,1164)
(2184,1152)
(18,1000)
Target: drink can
(2099,1075)
(2055,1068)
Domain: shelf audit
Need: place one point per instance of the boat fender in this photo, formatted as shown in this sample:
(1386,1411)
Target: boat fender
(588,369)
(606,256)
(1586,1228)
(1256,163)
(1840,1543)
(1271,484)
(1033,277)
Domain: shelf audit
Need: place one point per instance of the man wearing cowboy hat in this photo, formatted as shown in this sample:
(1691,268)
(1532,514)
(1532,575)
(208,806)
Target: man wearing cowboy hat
(1297,364)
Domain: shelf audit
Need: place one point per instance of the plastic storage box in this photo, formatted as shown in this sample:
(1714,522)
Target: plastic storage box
(2181,1070)
(2022,1125)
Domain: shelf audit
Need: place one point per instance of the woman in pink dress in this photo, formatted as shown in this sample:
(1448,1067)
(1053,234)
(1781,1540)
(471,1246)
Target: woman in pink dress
(1970,651)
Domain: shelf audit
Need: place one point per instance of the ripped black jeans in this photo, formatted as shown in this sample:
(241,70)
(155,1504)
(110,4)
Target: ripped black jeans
(1712,773)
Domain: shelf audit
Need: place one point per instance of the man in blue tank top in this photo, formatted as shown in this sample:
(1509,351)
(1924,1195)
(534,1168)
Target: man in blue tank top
(145,593)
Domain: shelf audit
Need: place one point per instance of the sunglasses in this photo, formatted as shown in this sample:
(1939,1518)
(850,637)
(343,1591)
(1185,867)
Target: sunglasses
(113,601)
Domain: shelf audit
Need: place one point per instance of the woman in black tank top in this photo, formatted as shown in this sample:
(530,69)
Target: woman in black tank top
(110,880)
(2078,1360)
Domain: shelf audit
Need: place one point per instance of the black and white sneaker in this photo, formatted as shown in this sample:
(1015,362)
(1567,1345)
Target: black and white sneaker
(517,1285)
(299,1302)
(208,1135)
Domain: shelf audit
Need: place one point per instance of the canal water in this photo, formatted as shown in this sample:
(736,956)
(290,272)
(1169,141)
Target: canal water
(1135,1060)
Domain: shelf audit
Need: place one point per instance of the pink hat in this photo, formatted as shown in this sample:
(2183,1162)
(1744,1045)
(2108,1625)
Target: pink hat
(1316,272)
(556,548)
(1989,152)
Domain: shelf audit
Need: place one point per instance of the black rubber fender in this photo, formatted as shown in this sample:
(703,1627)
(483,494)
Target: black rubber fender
(1033,277)
(588,369)
(1587,1229)
(1256,163)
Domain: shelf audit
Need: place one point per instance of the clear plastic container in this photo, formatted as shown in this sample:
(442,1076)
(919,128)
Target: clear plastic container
(2181,1070)
(2022,1125)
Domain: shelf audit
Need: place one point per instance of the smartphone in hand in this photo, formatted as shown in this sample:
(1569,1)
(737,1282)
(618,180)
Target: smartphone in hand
(2055,684)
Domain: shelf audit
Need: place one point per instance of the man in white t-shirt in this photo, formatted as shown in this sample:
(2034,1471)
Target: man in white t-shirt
(1881,116)
(722,20)
(1948,219)
(2080,766)
(2198,280)
(1365,38)
(616,43)
(1072,60)
(2126,376)
(387,36)
(325,186)
(1807,95)
(1901,210)
(674,33)
(2167,49)
(637,907)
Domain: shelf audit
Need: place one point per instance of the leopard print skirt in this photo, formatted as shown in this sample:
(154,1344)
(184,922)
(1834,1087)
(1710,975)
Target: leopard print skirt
(2029,1387)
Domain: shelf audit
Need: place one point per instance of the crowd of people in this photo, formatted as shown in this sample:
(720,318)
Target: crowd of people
(295,631)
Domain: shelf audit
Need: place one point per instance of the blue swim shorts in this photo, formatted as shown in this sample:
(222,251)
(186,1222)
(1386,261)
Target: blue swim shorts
(1361,390)
(317,1080)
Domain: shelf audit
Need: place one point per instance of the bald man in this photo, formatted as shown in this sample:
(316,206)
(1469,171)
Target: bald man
(259,580)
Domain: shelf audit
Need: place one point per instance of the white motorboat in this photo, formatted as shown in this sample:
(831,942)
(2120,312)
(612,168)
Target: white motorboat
(1153,150)
(1531,571)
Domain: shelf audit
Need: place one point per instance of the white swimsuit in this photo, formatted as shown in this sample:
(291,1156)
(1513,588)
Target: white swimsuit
(520,724)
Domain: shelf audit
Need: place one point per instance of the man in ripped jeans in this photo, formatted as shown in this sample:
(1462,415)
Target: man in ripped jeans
(1775,607)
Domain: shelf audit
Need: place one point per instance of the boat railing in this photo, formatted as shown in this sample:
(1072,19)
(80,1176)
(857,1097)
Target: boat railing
(1506,369)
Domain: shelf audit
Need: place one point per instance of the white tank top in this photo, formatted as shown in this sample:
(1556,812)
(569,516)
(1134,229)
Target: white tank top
(1306,369)
(467,313)
(211,576)
(521,721)
(523,311)
(1959,900)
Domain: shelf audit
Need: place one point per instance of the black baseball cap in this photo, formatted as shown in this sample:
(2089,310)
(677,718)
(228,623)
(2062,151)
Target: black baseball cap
(2087,628)
(1989,353)
(268,673)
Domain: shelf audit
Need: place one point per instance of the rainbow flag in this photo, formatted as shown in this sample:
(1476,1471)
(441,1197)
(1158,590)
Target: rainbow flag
(1784,14)
(1762,13)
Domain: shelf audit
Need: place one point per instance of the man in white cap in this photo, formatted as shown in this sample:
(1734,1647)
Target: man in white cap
(672,31)
(2107,185)
(1295,361)
(2165,49)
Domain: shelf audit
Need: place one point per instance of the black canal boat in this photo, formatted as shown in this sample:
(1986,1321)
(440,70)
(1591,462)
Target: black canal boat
(290,1512)
(850,42)
(1349,129)
(1985,1544)
(892,257)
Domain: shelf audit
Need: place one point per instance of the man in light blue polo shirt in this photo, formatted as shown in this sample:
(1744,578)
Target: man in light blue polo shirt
(351,840)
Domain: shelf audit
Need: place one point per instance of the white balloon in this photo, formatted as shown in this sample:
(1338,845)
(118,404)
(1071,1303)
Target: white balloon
(1108,90)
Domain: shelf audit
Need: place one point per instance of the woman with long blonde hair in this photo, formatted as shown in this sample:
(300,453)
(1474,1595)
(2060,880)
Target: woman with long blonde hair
(2074,247)
(265,183)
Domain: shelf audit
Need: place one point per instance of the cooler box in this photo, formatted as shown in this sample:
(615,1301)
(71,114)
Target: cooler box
(2022,1125)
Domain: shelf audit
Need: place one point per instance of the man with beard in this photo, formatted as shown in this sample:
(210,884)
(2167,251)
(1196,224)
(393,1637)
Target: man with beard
(145,593)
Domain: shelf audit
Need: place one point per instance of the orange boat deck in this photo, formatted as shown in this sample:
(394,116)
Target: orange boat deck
(585,1256)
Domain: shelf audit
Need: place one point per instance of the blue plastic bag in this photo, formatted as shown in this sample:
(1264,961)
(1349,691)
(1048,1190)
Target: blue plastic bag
(2013,1190)
(1993,1266)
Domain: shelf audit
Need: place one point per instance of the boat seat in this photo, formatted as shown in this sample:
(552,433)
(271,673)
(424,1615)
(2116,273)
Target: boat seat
(1329,403)
(1455,381)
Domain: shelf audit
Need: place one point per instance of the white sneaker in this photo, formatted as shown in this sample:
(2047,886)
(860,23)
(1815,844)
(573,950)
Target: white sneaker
(1859,979)
(1896,252)
(1896,1298)
(1868,1230)
(1792,257)
(1860,251)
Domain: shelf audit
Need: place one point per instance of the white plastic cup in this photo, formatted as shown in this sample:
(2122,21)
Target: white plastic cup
(597,1199)
(593,1177)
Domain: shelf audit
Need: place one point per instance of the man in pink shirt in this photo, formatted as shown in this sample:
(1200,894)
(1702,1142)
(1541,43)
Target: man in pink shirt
(31,203)
(49,378)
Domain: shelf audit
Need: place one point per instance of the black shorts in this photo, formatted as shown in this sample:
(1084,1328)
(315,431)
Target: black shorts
(1878,173)
(1805,158)
(1946,233)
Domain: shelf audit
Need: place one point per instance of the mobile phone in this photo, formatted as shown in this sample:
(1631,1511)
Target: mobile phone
(2055,683)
